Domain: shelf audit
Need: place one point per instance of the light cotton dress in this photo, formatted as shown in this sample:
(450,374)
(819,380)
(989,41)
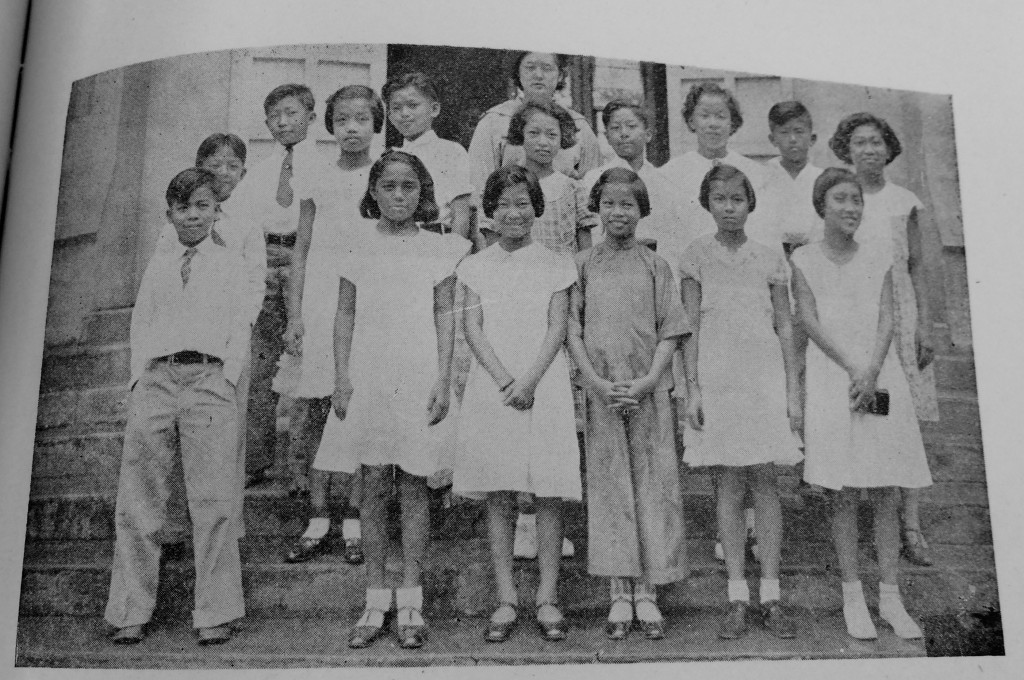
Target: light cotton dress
(499,447)
(393,362)
(742,377)
(625,304)
(565,213)
(337,196)
(886,213)
(847,448)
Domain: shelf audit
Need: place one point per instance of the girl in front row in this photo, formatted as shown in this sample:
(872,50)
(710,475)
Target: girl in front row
(624,326)
(855,440)
(394,334)
(516,432)
(741,379)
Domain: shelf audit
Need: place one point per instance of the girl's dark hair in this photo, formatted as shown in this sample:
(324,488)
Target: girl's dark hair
(724,173)
(507,177)
(560,59)
(186,183)
(840,142)
(421,81)
(216,142)
(355,92)
(625,177)
(829,178)
(636,107)
(566,124)
(713,89)
(300,92)
(426,210)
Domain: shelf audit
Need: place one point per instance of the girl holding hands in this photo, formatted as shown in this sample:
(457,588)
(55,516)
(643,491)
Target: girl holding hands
(743,398)
(517,426)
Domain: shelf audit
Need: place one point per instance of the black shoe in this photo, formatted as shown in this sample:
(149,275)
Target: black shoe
(364,636)
(214,635)
(306,549)
(354,550)
(776,621)
(129,635)
(617,630)
(257,477)
(499,632)
(552,631)
(735,622)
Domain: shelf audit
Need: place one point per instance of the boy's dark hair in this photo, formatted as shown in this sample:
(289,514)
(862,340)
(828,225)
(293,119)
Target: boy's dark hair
(510,176)
(186,183)
(421,81)
(724,173)
(426,210)
(566,124)
(626,177)
(560,59)
(829,178)
(216,142)
(636,107)
(355,92)
(713,89)
(300,92)
(783,112)
(840,142)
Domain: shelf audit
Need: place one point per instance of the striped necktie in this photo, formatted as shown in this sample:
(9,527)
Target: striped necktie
(285,195)
(186,266)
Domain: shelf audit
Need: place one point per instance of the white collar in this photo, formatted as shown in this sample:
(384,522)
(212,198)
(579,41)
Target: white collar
(427,138)
(203,247)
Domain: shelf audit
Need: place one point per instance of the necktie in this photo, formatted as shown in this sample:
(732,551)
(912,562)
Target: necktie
(284,187)
(186,266)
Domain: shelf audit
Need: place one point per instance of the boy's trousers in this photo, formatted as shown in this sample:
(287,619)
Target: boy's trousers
(186,408)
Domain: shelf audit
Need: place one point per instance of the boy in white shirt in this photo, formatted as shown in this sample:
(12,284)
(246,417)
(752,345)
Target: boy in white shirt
(188,338)
(792,174)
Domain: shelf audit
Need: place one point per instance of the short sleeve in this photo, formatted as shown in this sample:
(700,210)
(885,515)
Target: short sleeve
(671,317)
(689,263)
(562,273)
(778,270)
(469,272)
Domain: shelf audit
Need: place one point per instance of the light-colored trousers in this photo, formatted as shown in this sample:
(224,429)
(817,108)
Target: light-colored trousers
(185,412)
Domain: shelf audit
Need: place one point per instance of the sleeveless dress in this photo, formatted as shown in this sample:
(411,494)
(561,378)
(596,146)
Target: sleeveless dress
(846,448)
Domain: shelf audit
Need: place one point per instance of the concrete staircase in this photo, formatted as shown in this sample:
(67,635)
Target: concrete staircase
(298,615)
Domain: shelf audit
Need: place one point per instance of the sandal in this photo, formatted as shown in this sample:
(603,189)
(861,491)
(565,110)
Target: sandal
(499,631)
(915,548)
(552,631)
(364,634)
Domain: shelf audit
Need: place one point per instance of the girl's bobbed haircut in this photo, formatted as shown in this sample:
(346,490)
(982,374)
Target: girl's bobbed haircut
(507,177)
(840,142)
(829,178)
(724,173)
(560,59)
(186,183)
(566,124)
(626,177)
(715,90)
(426,210)
(355,92)
(218,141)
(637,107)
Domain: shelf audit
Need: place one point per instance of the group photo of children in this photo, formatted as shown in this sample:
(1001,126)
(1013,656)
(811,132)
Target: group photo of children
(541,319)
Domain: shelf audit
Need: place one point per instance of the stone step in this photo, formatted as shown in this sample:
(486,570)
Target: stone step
(952,512)
(76,367)
(68,642)
(108,327)
(67,579)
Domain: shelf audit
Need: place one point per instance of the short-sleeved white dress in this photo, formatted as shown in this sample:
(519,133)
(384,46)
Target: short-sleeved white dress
(499,447)
(742,377)
(393,362)
(846,448)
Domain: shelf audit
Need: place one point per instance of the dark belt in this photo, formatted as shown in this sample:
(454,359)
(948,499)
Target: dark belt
(190,357)
(286,240)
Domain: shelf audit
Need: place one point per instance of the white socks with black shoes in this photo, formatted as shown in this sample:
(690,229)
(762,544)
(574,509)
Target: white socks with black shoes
(890,608)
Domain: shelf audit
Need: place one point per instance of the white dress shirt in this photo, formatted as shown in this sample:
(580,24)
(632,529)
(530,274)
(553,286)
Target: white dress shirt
(448,165)
(256,196)
(208,315)
(241,237)
(796,214)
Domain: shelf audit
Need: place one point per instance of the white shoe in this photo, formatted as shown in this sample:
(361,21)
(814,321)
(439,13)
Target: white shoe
(525,546)
(568,549)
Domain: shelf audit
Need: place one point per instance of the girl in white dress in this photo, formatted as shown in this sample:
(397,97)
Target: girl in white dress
(394,335)
(516,430)
(742,384)
(894,218)
(845,302)
(353,114)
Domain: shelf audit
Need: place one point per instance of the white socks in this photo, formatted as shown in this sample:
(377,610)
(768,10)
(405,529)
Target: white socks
(645,602)
(890,608)
(622,600)
(409,602)
(318,528)
(739,591)
(855,611)
(351,528)
(769,591)
(378,601)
